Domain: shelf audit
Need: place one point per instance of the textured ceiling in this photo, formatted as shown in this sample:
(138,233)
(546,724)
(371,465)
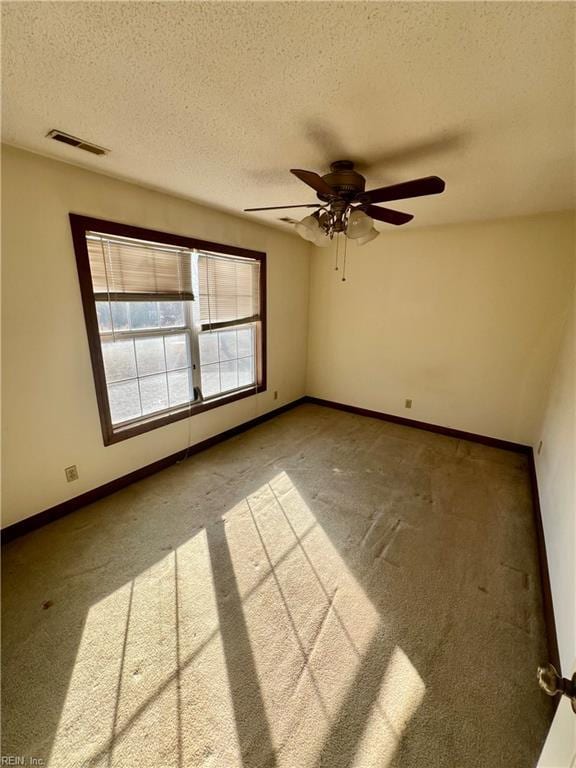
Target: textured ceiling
(216,101)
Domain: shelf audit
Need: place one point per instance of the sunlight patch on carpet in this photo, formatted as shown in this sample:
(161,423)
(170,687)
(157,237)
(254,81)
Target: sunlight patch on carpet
(251,641)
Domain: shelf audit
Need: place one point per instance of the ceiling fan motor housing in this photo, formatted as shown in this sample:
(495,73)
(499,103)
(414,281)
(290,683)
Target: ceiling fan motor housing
(347,182)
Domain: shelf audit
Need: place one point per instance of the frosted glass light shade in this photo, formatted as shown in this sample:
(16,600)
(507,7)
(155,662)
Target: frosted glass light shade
(359,224)
(309,228)
(373,233)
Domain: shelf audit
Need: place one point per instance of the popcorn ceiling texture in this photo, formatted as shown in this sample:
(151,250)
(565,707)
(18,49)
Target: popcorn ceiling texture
(216,100)
(323,591)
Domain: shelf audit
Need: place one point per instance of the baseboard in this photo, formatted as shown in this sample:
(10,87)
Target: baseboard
(71,505)
(494,442)
(547,602)
(54,513)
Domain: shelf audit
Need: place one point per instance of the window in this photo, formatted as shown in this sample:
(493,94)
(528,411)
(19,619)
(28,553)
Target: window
(175,325)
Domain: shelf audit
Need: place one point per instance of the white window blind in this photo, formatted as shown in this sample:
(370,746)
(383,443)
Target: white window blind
(132,270)
(229,290)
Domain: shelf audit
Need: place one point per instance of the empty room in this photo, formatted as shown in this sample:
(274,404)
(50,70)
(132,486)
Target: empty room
(288,384)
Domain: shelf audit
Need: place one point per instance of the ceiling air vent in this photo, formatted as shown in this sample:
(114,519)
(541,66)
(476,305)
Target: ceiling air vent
(74,141)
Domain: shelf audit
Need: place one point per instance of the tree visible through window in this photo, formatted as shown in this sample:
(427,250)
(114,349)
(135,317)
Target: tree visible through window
(174,326)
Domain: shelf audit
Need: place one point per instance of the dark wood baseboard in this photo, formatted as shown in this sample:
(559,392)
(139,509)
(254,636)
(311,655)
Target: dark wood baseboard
(494,442)
(48,515)
(60,510)
(71,505)
(547,601)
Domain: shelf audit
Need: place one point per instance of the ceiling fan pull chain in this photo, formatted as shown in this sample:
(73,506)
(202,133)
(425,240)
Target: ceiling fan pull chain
(345,253)
(337,244)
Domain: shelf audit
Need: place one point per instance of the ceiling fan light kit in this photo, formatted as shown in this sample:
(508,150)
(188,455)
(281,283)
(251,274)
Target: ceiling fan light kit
(347,208)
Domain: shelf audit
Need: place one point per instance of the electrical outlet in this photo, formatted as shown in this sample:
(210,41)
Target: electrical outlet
(539,447)
(275,395)
(71,473)
(408,403)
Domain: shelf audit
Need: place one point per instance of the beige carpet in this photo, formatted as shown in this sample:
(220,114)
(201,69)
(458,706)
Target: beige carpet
(324,590)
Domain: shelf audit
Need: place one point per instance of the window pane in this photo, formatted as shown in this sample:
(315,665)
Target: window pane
(228,346)
(229,374)
(154,393)
(245,342)
(150,355)
(171,313)
(124,401)
(245,371)
(144,314)
(120,317)
(119,360)
(210,380)
(176,351)
(179,387)
(103,314)
(208,348)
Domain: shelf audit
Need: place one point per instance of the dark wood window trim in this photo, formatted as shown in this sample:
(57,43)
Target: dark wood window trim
(80,225)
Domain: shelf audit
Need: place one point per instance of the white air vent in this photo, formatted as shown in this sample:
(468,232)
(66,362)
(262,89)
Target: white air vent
(74,141)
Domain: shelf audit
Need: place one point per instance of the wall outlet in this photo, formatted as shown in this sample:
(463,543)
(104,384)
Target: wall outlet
(408,403)
(539,447)
(71,473)
(275,394)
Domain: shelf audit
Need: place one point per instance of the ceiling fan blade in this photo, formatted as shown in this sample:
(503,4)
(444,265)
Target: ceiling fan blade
(315,181)
(429,185)
(280,207)
(387,215)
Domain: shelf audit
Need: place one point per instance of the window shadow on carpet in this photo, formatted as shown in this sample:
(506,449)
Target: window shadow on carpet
(252,725)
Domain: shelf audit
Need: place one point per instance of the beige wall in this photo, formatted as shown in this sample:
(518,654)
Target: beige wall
(464,319)
(50,416)
(556,471)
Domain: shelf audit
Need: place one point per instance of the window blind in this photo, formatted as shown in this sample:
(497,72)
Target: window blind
(229,290)
(131,270)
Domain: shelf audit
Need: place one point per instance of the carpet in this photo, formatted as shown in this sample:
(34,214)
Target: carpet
(325,590)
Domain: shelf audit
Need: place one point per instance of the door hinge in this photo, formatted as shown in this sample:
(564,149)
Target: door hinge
(553,683)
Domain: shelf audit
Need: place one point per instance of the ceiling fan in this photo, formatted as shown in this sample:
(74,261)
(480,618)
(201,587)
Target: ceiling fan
(347,207)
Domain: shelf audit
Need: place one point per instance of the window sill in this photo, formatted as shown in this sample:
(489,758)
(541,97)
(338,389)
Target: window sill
(117,434)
